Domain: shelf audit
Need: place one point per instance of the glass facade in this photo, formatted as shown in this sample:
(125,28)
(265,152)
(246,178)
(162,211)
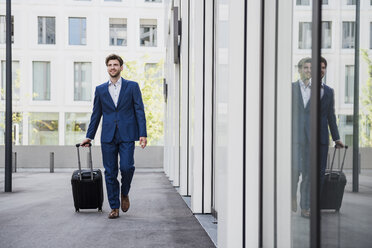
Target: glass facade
(41,80)
(3,29)
(46,30)
(118,32)
(76,126)
(77,31)
(348,34)
(16,80)
(43,129)
(148,33)
(82,81)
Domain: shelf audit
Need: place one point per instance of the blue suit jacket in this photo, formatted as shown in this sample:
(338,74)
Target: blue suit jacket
(301,117)
(128,117)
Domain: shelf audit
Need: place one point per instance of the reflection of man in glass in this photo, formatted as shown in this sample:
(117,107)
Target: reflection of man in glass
(327,118)
(301,92)
(301,136)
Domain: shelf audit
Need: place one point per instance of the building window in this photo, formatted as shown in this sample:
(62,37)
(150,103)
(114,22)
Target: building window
(348,34)
(43,129)
(350,2)
(46,30)
(302,2)
(3,29)
(349,84)
(41,81)
(118,32)
(325,2)
(148,33)
(153,1)
(77,30)
(76,127)
(16,80)
(304,35)
(82,81)
(326,34)
(370,35)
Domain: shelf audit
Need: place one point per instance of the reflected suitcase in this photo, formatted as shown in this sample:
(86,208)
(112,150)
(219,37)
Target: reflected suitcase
(87,189)
(333,186)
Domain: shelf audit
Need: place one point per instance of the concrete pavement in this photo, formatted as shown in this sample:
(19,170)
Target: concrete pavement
(40,213)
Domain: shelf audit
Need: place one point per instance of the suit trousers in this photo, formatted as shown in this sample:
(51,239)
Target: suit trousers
(300,166)
(110,152)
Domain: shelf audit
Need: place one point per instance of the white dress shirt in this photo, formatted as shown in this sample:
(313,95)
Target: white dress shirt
(114,90)
(306,91)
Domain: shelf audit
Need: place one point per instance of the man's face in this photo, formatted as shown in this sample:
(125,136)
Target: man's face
(323,69)
(113,68)
(305,72)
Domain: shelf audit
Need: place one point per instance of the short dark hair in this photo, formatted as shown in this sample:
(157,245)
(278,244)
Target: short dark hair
(323,60)
(303,61)
(114,57)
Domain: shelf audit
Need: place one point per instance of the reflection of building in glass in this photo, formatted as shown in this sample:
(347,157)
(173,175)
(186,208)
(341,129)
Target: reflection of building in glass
(338,42)
(58,59)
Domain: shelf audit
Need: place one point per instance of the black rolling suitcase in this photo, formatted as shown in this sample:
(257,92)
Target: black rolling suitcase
(87,186)
(334,186)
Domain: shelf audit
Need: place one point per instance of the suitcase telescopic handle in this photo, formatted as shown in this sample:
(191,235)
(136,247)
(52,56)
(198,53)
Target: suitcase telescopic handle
(90,162)
(333,158)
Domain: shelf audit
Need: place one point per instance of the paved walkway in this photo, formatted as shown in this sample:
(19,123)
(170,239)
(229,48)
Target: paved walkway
(40,213)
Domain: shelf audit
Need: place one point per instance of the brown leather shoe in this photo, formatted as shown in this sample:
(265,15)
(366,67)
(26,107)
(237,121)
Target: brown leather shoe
(305,213)
(125,203)
(114,214)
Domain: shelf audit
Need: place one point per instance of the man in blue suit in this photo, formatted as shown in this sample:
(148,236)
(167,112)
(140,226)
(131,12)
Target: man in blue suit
(119,101)
(301,92)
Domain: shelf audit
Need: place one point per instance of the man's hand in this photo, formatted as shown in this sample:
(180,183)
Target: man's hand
(85,142)
(143,142)
(339,144)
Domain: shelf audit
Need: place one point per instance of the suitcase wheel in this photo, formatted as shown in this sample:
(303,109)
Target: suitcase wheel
(77,210)
(100,210)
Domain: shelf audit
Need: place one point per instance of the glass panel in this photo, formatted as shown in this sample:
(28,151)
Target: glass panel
(348,34)
(41,80)
(16,80)
(17,130)
(46,30)
(82,81)
(76,125)
(370,35)
(3,29)
(326,34)
(345,218)
(220,104)
(43,129)
(325,2)
(118,32)
(77,30)
(153,1)
(302,2)
(349,84)
(148,33)
(304,35)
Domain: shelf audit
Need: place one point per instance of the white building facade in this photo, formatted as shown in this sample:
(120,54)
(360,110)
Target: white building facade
(59,53)
(229,120)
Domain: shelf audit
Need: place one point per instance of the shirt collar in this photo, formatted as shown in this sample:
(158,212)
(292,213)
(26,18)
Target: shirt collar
(322,85)
(118,83)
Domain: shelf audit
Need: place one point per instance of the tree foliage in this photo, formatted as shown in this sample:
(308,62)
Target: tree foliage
(366,102)
(149,77)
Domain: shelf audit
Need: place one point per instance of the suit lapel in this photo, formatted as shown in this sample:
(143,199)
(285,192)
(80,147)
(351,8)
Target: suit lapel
(124,84)
(107,92)
(300,99)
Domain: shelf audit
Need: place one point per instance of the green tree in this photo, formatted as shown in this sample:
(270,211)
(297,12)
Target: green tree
(151,84)
(366,100)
